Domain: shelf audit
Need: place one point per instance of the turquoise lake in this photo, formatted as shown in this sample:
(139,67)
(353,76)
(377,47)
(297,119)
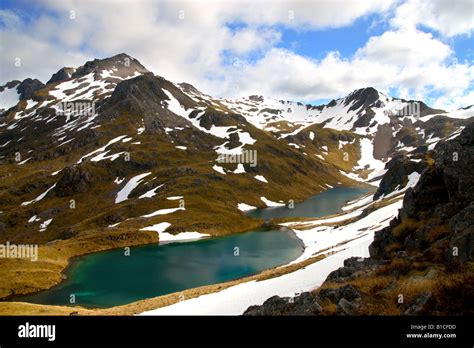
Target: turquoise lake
(111,278)
(326,203)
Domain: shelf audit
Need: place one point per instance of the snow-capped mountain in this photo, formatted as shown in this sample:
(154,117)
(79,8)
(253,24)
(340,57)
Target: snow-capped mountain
(387,126)
(112,132)
(107,154)
(14,91)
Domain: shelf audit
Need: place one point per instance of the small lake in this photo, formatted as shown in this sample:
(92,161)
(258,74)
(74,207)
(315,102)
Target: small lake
(111,278)
(326,203)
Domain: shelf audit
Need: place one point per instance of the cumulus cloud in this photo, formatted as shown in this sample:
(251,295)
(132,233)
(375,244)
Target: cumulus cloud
(229,48)
(410,62)
(182,40)
(405,47)
(448,17)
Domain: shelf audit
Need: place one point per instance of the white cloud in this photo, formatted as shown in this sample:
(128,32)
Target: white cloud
(405,47)
(247,40)
(448,17)
(182,40)
(192,41)
(409,61)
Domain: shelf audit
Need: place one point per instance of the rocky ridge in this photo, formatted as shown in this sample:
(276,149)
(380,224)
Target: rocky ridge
(422,263)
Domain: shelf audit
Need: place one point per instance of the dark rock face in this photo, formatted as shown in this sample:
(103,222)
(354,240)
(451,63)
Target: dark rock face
(345,307)
(74,179)
(363,97)
(443,199)
(125,64)
(364,120)
(462,240)
(347,292)
(270,111)
(332,103)
(217,118)
(62,75)
(257,98)
(304,304)
(139,91)
(398,169)
(347,299)
(28,87)
(145,97)
(9,85)
(353,267)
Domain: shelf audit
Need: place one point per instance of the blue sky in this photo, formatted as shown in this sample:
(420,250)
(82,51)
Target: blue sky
(410,48)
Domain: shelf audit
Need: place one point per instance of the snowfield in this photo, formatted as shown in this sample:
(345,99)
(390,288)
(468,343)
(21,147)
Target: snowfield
(367,159)
(183,236)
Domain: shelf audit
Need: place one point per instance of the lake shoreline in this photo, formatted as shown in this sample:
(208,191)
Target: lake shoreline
(71,260)
(97,280)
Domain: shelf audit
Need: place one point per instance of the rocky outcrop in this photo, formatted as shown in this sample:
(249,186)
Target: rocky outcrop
(124,65)
(61,75)
(304,304)
(420,264)
(145,96)
(217,118)
(74,179)
(353,267)
(438,210)
(9,85)
(362,98)
(396,177)
(28,87)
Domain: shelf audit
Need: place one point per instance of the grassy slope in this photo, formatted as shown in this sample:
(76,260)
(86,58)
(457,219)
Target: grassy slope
(210,198)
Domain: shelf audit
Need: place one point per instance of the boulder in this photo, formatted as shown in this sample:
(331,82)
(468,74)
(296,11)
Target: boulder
(74,179)
(304,304)
(345,307)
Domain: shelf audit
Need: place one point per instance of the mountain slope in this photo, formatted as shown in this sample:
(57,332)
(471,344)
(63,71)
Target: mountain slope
(103,153)
(106,152)
(419,265)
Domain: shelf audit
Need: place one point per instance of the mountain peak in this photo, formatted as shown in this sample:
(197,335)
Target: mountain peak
(28,87)
(61,75)
(362,97)
(121,65)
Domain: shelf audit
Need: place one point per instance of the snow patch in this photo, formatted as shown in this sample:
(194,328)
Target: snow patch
(245,207)
(261,178)
(270,203)
(162,212)
(122,195)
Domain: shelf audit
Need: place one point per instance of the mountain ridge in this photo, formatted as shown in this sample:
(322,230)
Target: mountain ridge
(108,130)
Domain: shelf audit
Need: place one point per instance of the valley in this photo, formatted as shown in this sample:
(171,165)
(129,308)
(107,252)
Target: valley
(142,160)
